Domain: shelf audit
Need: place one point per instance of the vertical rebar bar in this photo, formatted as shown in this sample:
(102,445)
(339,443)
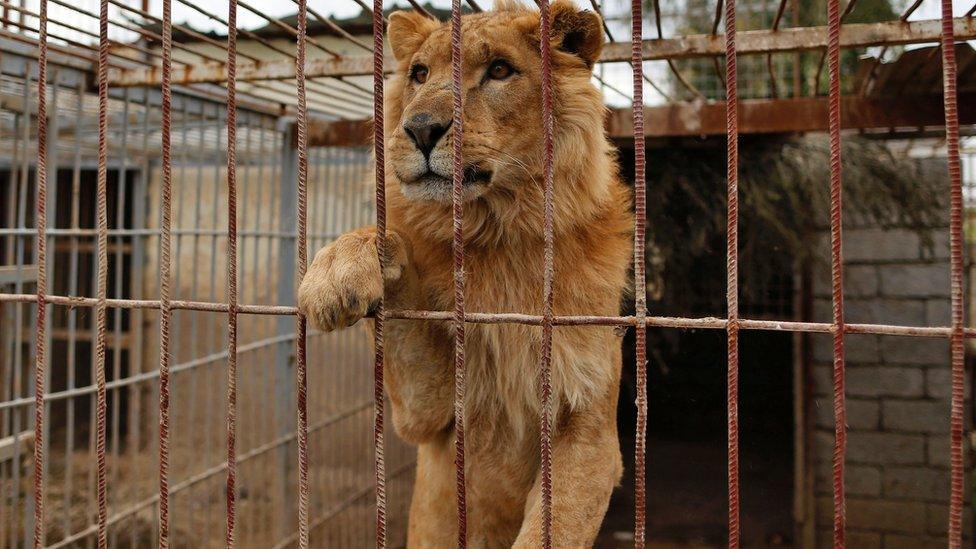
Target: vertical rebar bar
(951,99)
(380,175)
(102,266)
(836,269)
(165,313)
(40,364)
(302,261)
(640,284)
(545,352)
(231,271)
(457,200)
(732,266)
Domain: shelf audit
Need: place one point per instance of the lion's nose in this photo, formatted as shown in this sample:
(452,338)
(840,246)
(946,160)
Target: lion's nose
(425,131)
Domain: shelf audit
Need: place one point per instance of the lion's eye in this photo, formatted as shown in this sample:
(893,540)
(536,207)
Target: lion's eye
(500,70)
(418,73)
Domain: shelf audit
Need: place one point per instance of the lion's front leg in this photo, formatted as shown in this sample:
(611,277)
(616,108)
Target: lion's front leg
(586,465)
(344,283)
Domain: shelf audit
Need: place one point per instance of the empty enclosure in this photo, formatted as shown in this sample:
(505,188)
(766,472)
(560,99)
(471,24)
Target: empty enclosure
(161,191)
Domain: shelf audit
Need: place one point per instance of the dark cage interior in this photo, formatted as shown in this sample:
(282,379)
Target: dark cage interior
(687,413)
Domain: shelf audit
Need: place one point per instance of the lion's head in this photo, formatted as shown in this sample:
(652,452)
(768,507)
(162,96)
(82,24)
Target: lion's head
(501,98)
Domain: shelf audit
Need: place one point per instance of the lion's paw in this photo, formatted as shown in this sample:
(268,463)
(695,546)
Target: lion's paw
(344,283)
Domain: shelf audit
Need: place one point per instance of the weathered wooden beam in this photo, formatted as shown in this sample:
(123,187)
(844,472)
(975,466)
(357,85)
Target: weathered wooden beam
(685,47)
(339,133)
(756,116)
(806,114)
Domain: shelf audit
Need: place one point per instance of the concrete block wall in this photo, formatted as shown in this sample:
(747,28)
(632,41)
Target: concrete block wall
(897,476)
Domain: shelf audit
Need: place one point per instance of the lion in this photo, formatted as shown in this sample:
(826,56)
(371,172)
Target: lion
(503,236)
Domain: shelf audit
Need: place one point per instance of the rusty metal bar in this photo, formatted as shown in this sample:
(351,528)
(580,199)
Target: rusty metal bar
(300,268)
(520,318)
(102,274)
(40,355)
(380,176)
(231,272)
(165,310)
(853,35)
(957,427)
(457,211)
(545,350)
(834,18)
(640,283)
(732,267)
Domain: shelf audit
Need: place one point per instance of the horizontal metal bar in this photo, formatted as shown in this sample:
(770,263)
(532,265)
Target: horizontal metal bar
(532,320)
(702,45)
(75,301)
(157,232)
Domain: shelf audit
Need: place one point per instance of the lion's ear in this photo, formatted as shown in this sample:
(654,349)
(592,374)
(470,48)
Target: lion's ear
(407,31)
(575,31)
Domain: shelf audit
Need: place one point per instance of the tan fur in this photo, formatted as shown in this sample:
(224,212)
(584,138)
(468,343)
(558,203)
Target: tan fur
(504,249)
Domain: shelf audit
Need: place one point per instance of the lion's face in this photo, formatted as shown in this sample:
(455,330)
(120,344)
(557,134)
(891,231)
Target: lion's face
(501,97)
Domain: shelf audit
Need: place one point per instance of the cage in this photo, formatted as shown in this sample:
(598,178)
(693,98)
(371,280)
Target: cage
(162,184)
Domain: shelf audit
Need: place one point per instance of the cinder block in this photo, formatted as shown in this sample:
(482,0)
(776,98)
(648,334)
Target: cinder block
(937,517)
(859,480)
(861,414)
(916,483)
(938,312)
(940,244)
(914,350)
(918,280)
(919,416)
(858,348)
(937,450)
(822,375)
(885,448)
(900,312)
(889,516)
(877,381)
(859,281)
(938,382)
(862,245)
(823,447)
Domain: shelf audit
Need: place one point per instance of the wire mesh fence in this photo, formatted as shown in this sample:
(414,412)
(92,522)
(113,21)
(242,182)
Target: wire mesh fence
(340,394)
